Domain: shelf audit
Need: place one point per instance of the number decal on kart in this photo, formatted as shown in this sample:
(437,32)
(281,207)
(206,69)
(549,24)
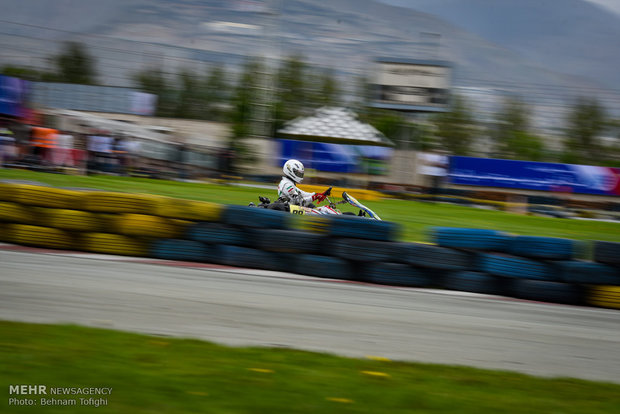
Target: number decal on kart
(297,210)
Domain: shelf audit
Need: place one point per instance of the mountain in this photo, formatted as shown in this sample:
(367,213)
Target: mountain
(543,48)
(575,37)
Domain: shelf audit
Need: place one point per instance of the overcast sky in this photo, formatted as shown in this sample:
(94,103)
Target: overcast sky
(613,5)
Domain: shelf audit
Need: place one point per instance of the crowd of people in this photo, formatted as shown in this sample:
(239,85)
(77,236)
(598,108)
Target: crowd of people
(49,148)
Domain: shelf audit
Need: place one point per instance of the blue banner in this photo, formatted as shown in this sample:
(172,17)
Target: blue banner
(542,176)
(12,96)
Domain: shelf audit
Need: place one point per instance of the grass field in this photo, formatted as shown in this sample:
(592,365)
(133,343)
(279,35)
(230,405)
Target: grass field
(163,375)
(416,217)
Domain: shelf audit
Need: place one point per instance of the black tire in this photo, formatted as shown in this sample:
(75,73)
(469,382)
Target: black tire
(288,241)
(607,252)
(361,228)
(175,249)
(581,271)
(436,257)
(324,266)
(397,274)
(362,250)
(548,291)
(255,217)
(472,282)
(215,233)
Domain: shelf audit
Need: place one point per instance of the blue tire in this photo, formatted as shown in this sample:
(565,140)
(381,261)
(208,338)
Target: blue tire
(542,247)
(607,252)
(245,257)
(216,233)
(175,249)
(476,239)
(362,228)
(255,217)
(324,266)
(516,267)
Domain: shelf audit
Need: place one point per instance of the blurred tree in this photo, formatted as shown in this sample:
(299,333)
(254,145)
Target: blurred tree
(291,93)
(190,101)
(23,73)
(328,92)
(75,65)
(216,94)
(455,130)
(153,81)
(511,132)
(585,124)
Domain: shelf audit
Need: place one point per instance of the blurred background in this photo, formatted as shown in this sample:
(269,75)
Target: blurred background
(384,94)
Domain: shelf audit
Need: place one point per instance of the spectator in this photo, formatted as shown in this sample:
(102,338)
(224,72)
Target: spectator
(64,156)
(7,146)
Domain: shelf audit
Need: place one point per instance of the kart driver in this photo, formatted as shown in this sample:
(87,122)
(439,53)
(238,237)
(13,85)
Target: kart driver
(288,191)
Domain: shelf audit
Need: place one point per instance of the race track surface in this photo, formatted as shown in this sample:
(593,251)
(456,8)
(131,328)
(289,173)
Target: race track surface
(251,307)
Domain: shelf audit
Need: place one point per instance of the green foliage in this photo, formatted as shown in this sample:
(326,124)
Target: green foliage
(154,81)
(511,133)
(455,130)
(75,65)
(22,73)
(586,123)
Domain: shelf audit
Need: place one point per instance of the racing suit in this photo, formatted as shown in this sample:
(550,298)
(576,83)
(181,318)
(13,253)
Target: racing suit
(287,190)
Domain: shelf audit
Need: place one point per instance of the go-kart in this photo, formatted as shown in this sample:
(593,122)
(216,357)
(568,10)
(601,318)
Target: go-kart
(330,208)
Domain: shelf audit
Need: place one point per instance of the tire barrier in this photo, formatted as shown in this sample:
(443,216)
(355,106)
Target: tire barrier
(188,209)
(245,257)
(577,271)
(254,217)
(604,296)
(398,274)
(435,257)
(73,220)
(476,282)
(110,202)
(179,249)
(607,252)
(143,225)
(542,247)
(46,196)
(112,244)
(548,291)
(41,236)
(475,239)
(348,248)
(516,267)
(360,228)
(17,213)
(362,250)
(324,266)
(215,233)
(288,241)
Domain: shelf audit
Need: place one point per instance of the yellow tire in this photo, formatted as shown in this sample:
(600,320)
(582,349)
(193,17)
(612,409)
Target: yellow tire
(7,192)
(17,213)
(110,202)
(112,244)
(188,209)
(46,196)
(604,296)
(74,220)
(147,226)
(40,236)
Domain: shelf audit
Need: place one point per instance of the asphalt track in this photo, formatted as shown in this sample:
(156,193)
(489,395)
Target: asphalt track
(249,307)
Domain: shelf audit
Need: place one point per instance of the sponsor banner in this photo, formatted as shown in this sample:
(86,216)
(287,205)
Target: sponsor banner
(542,176)
(12,96)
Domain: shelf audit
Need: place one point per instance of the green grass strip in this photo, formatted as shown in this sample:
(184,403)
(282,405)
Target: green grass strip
(416,217)
(150,374)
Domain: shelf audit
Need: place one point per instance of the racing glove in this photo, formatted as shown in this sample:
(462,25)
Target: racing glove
(318,197)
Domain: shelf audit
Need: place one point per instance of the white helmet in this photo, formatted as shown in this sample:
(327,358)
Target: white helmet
(294,170)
